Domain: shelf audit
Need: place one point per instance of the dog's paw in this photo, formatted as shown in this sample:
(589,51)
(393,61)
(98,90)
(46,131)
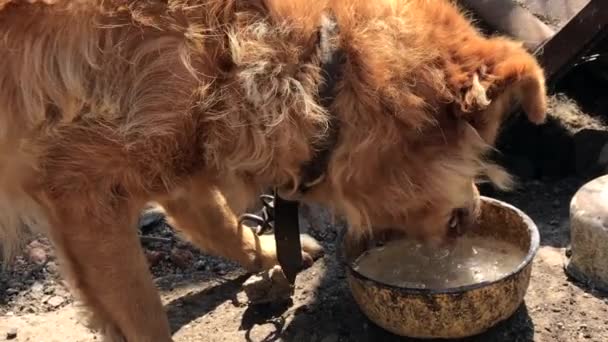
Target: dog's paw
(267,252)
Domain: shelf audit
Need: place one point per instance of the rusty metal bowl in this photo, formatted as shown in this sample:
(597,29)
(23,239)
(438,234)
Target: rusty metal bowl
(455,312)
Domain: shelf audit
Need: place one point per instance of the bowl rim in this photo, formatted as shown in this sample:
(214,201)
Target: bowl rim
(459,290)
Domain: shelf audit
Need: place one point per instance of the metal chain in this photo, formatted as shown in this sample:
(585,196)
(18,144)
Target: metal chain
(264,219)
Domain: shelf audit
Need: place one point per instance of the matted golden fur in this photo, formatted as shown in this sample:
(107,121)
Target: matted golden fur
(199,105)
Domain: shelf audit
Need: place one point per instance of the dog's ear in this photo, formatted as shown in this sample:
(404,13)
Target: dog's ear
(501,68)
(521,75)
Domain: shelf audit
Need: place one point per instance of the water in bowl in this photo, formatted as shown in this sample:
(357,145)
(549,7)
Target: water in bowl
(469,260)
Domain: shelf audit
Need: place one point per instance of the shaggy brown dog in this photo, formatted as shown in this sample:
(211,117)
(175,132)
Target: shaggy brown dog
(201,104)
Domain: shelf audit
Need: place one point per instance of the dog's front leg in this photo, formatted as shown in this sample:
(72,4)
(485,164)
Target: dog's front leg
(203,215)
(101,256)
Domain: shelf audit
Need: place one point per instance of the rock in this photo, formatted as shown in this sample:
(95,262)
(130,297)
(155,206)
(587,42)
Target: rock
(56,301)
(15,284)
(182,244)
(200,265)
(167,232)
(267,287)
(589,234)
(181,257)
(37,255)
(36,295)
(36,244)
(37,287)
(11,334)
(52,267)
(154,257)
(220,268)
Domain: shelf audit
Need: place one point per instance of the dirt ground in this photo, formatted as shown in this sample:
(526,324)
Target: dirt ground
(204,301)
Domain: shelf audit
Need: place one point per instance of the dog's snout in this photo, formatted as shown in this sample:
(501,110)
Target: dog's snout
(460,221)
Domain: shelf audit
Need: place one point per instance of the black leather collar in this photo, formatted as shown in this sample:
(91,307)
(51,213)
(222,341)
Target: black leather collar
(332,61)
(287,234)
(284,213)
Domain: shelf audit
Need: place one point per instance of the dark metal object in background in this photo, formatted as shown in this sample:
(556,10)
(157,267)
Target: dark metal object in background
(574,40)
(509,17)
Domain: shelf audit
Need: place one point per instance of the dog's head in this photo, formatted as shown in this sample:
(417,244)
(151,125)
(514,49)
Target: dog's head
(419,104)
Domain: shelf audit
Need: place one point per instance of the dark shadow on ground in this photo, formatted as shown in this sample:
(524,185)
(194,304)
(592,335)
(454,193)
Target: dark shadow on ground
(264,314)
(587,285)
(192,306)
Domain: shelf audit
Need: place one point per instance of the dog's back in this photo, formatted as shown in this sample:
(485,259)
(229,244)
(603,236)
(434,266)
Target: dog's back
(44,57)
(81,61)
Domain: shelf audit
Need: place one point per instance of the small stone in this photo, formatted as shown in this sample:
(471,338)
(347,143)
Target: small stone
(181,257)
(200,265)
(37,287)
(154,257)
(49,290)
(554,222)
(11,334)
(182,244)
(267,287)
(560,325)
(56,301)
(11,291)
(52,267)
(36,295)
(37,255)
(15,284)
(62,291)
(220,268)
(168,233)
